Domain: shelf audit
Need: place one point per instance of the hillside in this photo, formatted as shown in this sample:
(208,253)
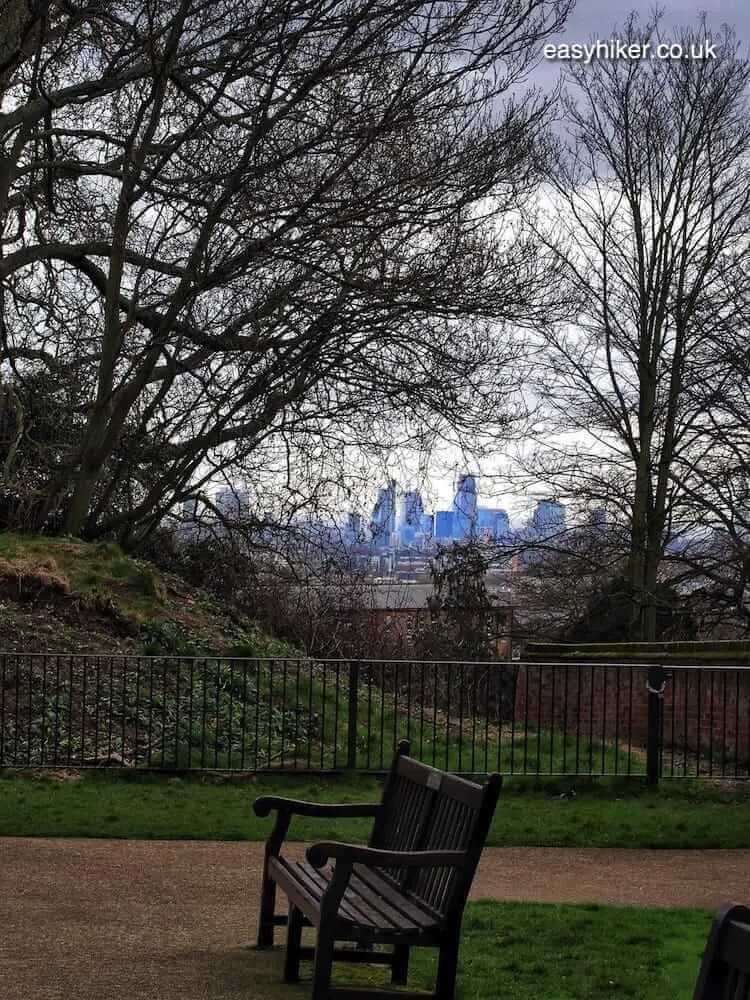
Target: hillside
(63,595)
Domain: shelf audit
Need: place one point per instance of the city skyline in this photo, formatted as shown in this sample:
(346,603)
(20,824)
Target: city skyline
(399,519)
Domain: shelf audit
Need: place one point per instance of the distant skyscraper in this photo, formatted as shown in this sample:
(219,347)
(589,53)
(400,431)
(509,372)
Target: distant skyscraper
(443,525)
(485,524)
(548,517)
(465,508)
(427,526)
(412,509)
(492,524)
(502,524)
(353,529)
(410,513)
(383,521)
(406,534)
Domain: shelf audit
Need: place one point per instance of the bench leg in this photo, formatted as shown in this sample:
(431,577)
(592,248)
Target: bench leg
(400,964)
(323,962)
(445,987)
(293,942)
(267,908)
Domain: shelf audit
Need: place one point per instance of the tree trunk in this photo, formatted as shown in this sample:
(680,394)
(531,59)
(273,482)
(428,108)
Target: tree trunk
(78,508)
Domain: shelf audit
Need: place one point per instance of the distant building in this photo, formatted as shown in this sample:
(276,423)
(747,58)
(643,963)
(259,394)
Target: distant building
(548,518)
(502,525)
(354,530)
(492,524)
(410,514)
(383,523)
(465,508)
(443,526)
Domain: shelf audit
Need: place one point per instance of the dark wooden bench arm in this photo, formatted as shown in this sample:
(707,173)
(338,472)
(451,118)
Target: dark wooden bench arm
(286,808)
(265,803)
(318,854)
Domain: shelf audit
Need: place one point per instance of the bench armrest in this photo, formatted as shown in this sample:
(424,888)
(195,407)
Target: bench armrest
(265,803)
(318,854)
(286,808)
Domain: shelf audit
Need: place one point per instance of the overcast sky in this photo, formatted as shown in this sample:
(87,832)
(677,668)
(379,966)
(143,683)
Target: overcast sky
(598,19)
(591,20)
(598,16)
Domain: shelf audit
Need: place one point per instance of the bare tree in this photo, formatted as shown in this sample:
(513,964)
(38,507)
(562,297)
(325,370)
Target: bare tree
(650,201)
(240,228)
(713,565)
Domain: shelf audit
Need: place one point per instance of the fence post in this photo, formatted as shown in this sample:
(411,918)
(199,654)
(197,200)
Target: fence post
(351,729)
(655,687)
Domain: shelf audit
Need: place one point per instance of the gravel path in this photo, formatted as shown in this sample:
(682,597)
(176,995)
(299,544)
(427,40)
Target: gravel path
(172,920)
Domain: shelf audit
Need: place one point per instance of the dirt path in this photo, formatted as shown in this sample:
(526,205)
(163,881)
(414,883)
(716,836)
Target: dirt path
(172,920)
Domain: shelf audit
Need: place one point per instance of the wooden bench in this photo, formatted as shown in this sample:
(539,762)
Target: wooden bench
(407,887)
(725,969)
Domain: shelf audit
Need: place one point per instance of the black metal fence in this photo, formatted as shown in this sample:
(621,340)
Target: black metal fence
(297,715)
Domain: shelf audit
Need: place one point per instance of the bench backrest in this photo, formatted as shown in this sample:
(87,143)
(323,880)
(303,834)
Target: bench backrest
(426,809)
(725,970)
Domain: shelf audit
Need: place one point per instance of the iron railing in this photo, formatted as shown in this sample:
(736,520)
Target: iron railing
(304,715)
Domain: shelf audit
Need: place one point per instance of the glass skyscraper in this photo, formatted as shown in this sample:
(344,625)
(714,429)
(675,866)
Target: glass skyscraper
(548,517)
(443,525)
(383,521)
(465,508)
(410,514)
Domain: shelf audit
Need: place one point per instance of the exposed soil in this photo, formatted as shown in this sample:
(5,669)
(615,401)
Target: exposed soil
(61,626)
(174,920)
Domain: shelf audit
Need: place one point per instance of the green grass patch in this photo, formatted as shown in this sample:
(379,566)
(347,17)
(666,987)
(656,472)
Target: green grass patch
(524,951)
(527,951)
(609,815)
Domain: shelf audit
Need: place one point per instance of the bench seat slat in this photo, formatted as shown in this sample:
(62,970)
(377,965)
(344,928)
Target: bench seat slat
(380,911)
(414,909)
(369,901)
(305,886)
(389,900)
(352,907)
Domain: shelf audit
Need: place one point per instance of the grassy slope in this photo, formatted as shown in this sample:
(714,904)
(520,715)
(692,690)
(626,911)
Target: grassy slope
(63,595)
(176,808)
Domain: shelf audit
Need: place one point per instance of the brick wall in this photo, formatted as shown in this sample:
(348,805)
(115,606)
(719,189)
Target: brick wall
(604,703)
(705,711)
(708,711)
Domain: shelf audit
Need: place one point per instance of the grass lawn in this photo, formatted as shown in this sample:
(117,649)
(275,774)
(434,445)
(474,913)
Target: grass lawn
(528,951)
(524,951)
(678,815)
